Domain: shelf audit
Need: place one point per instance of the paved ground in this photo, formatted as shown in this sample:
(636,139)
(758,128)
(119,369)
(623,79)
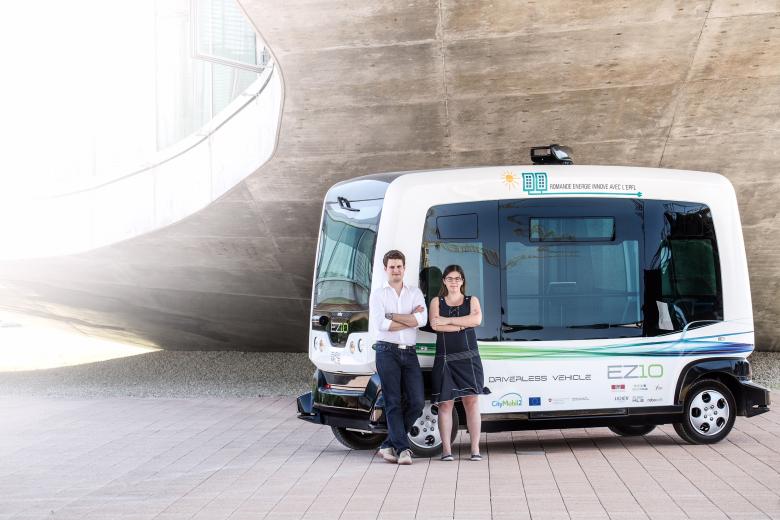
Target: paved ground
(251,459)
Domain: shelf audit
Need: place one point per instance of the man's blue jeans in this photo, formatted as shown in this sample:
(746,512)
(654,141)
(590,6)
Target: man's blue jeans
(401,377)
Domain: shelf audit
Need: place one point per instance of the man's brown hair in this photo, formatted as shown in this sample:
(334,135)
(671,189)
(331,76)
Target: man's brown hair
(394,254)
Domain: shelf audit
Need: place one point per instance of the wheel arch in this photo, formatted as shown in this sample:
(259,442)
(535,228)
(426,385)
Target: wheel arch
(729,371)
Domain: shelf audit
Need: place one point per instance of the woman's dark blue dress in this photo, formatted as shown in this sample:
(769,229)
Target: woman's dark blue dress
(457,368)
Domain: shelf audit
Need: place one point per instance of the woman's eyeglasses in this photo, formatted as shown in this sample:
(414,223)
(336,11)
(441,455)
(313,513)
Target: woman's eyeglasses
(450,279)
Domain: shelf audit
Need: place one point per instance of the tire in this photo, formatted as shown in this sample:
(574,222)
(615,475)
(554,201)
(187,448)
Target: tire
(632,430)
(356,440)
(424,443)
(708,413)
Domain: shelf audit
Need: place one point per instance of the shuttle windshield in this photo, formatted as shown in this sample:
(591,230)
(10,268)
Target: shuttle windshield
(347,243)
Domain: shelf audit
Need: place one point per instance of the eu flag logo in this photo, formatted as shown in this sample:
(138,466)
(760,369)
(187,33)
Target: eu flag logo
(534,401)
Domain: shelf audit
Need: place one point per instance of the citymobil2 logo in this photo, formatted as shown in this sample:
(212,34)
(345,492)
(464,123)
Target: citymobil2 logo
(508,400)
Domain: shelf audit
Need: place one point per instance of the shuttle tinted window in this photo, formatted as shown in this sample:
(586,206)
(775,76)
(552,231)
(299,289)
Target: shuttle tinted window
(464,234)
(580,268)
(572,229)
(682,267)
(571,269)
(457,226)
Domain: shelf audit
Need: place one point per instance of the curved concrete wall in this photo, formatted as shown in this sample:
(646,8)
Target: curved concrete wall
(414,84)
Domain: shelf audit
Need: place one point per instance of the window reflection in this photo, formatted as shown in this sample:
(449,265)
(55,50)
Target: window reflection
(347,244)
(683,287)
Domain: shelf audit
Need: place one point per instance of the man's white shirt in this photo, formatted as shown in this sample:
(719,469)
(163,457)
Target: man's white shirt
(385,300)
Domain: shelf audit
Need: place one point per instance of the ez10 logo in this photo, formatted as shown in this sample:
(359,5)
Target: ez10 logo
(635,371)
(339,327)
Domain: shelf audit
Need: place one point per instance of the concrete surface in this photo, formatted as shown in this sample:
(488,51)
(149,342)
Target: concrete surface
(397,85)
(168,459)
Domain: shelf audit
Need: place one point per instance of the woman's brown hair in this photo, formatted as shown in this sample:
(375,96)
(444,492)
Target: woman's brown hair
(450,269)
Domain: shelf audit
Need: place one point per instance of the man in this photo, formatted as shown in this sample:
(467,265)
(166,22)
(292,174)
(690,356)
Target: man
(396,311)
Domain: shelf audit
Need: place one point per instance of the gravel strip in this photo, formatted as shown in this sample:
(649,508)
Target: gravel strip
(766,369)
(167,373)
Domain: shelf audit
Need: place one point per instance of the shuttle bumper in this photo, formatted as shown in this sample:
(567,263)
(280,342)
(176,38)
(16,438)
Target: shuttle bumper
(755,399)
(344,400)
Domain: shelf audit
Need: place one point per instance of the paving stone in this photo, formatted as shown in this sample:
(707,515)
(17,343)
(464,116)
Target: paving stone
(238,458)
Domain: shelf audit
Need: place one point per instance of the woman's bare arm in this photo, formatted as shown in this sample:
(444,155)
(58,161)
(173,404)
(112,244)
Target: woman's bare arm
(474,319)
(447,328)
(436,319)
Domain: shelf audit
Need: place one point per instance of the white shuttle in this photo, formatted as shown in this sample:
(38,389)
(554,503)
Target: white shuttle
(612,296)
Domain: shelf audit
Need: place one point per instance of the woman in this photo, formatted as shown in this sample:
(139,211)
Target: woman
(457,370)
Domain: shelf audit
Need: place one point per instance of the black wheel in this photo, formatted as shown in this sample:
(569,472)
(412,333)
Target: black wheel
(708,414)
(632,430)
(424,438)
(357,440)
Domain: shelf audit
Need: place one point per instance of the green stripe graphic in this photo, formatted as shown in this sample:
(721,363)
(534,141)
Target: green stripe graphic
(669,348)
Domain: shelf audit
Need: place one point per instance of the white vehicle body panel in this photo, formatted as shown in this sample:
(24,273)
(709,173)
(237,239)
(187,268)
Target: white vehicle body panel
(565,375)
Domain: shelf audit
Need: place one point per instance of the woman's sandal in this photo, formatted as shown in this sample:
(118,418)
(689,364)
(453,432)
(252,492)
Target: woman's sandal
(476,457)
(447,458)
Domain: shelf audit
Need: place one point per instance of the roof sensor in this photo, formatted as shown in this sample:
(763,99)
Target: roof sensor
(553,154)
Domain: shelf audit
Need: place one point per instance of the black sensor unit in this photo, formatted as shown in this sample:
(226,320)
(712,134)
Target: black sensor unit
(552,154)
